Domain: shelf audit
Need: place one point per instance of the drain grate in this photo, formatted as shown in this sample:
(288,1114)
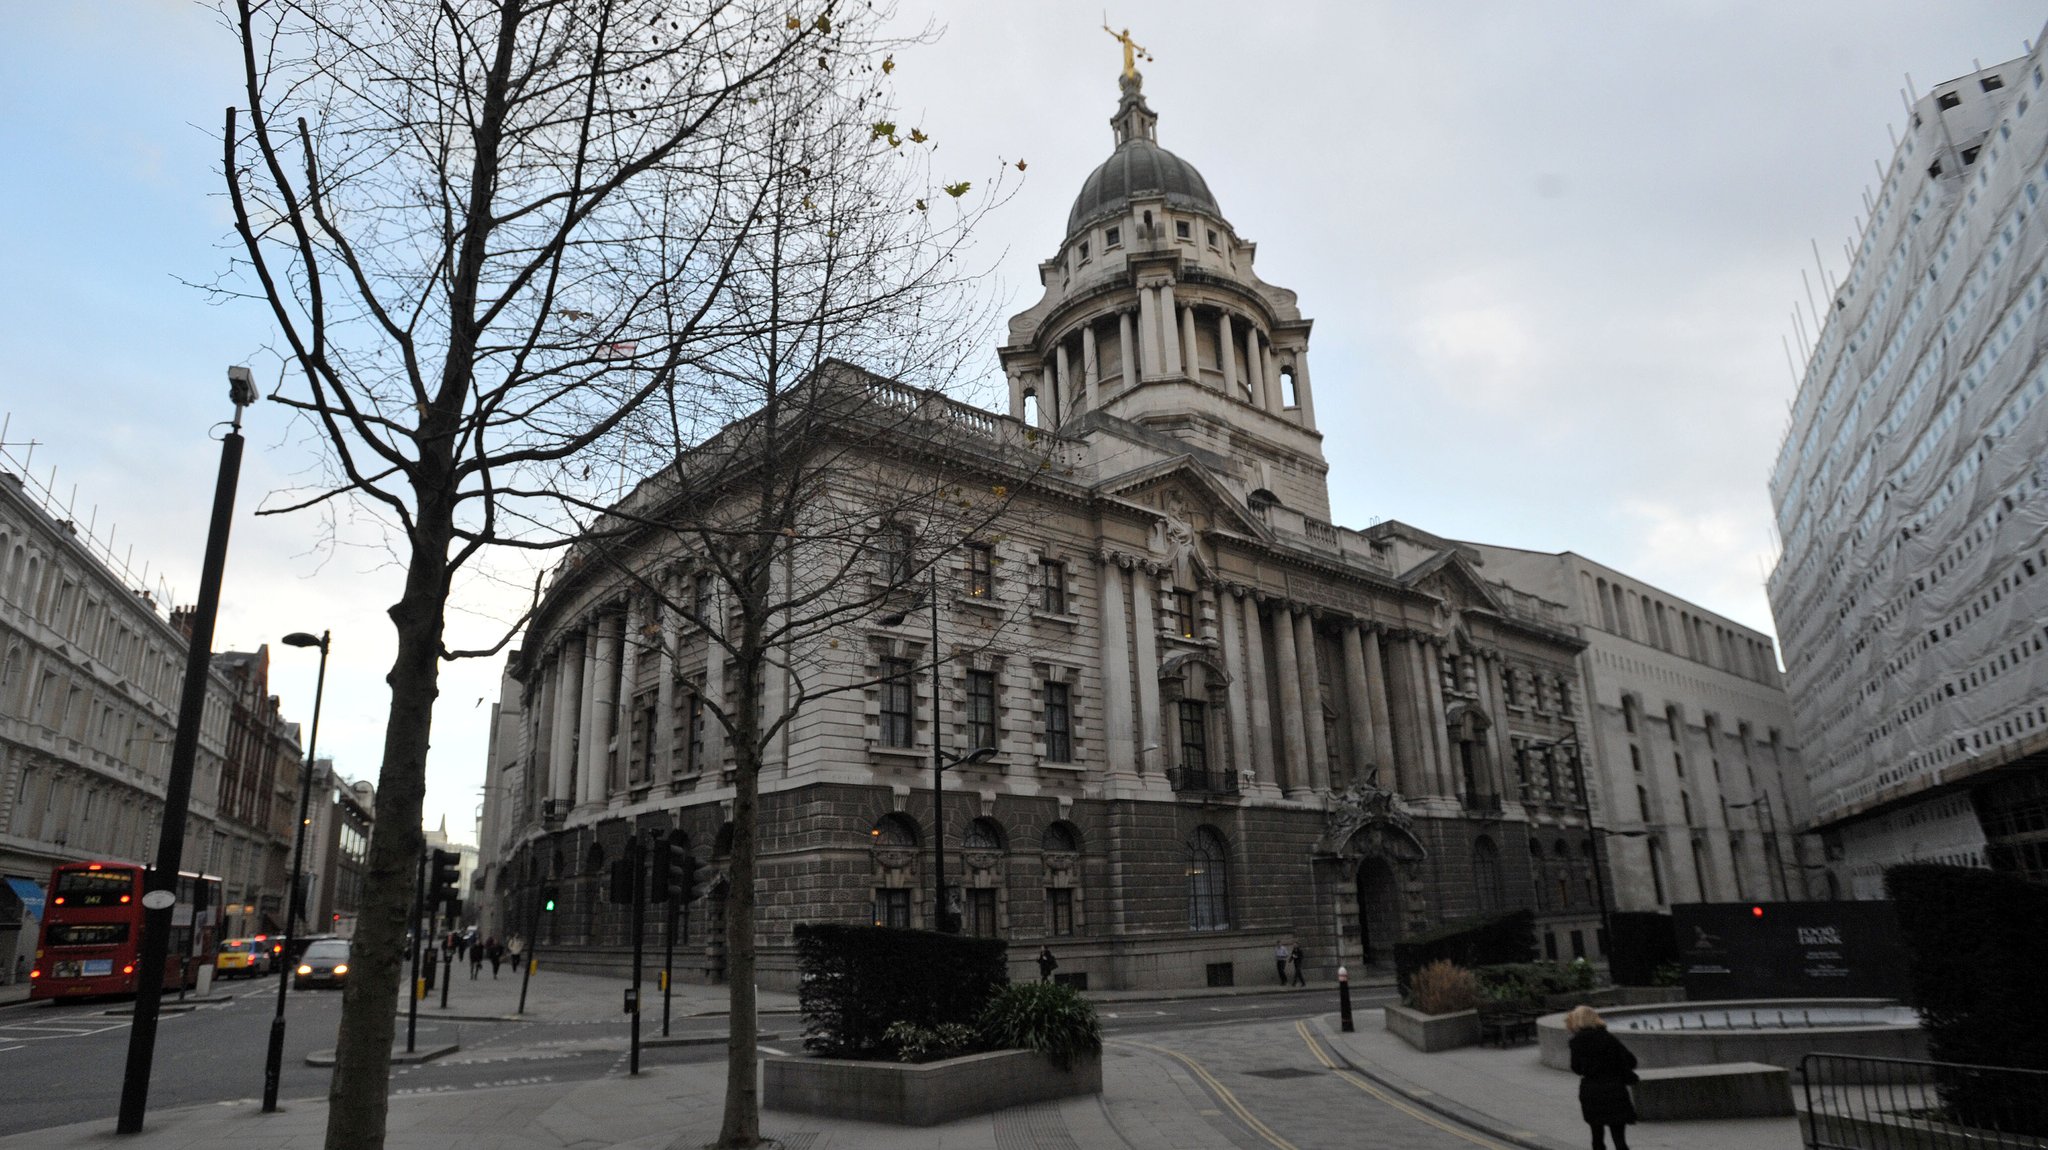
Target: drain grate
(1283,1072)
(1036,1127)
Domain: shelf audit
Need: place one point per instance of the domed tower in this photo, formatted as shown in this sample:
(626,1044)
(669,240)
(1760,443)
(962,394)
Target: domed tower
(1153,316)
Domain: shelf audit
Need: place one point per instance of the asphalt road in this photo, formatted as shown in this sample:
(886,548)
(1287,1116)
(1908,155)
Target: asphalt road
(64,1063)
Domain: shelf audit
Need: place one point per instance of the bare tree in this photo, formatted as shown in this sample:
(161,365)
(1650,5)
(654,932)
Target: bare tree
(508,245)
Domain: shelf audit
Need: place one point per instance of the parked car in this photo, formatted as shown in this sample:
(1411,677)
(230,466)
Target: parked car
(325,963)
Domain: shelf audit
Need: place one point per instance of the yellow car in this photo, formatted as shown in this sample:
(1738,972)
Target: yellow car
(243,958)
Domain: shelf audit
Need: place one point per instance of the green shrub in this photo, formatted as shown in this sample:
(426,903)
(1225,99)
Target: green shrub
(1669,974)
(1043,1016)
(1532,981)
(1443,987)
(857,981)
(914,1043)
(1474,942)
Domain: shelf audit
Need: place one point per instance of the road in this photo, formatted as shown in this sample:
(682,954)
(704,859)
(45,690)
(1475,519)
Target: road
(63,1063)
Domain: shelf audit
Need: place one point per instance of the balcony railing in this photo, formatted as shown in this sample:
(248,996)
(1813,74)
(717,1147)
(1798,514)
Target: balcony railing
(1202,781)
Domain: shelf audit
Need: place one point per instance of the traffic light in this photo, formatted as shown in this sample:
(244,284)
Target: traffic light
(692,878)
(444,873)
(547,900)
(625,873)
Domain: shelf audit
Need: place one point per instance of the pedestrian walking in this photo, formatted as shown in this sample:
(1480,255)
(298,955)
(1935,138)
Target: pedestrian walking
(1606,1070)
(495,952)
(1046,964)
(1295,956)
(1280,956)
(476,960)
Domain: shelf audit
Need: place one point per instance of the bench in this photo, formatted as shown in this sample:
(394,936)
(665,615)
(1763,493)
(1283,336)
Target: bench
(1715,1090)
(1507,1023)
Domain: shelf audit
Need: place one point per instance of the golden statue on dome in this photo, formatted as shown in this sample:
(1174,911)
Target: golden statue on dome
(1133,51)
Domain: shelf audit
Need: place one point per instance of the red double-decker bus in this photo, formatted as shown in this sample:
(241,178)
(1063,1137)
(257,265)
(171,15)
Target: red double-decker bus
(92,930)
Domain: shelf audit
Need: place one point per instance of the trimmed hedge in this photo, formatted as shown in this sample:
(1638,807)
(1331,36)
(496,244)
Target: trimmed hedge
(1641,942)
(1473,942)
(1974,940)
(860,980)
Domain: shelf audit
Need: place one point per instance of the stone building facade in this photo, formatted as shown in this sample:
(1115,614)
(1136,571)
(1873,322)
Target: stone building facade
(1693,775)
(1217,722)
(90,676)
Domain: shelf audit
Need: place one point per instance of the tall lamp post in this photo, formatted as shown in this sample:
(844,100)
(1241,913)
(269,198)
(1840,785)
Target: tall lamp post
(162,879)
(942,917)
(1593,833)
(273,1061)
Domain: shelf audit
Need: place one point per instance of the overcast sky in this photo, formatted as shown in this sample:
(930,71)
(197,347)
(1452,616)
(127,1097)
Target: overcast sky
(1551,251)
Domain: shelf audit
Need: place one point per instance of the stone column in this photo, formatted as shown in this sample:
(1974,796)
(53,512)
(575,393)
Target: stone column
(1016,395)
(589,742)
(604,709)
(1228,623)
(1091,368)
(1048,397)
(1411,742)
(1259,698)
(1495,698)
(714,692)
(1357,709)
(1126,348)
(1254,366)
(1293,739)
(1148,332)
(1439,735)
(1064,380)
(661,756)
(1317,744)
(1302,394)
(1376,696)
(1190,354)
(1166,317)
(1145,645)
(568,679)
(1276,399)
(1227,352)
(1114,636)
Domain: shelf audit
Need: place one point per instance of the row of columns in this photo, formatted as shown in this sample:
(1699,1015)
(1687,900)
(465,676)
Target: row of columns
(586,697)
(1391,688)
(1165,346)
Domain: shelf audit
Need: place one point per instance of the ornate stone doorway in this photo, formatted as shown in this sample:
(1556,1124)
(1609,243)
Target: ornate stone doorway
(1379,909)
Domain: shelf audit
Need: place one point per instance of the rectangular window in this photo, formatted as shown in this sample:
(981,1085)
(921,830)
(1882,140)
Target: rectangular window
(981,912)
(1947,100)
(1180,613)
(1182,230)
(981,576)
(1194,737)
(892,907)
(981,709)
(1084,251)
(700,596)
(1059,911)
(1113,238)
(1212,237)
(1053,581)
(899,710)
(1059,724)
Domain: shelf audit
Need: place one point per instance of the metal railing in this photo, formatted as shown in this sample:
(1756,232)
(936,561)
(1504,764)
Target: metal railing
(1906,1104)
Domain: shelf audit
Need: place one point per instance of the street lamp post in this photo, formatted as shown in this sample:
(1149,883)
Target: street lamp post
(273,1062)
(941,916)
(1593,833)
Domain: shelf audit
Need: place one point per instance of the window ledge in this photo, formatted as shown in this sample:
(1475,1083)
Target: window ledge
(901,756)
(987,602)
(1075,765)
(1042,616)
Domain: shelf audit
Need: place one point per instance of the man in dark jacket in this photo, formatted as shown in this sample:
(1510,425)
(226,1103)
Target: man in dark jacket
(1606,1069)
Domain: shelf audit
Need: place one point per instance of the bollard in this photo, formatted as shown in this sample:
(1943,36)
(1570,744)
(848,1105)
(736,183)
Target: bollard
(1344,998)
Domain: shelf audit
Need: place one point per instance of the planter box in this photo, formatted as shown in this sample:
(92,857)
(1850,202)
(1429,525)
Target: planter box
(1430,1033)
(926,1093)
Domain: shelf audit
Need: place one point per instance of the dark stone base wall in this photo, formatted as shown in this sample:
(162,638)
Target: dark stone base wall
(818,864)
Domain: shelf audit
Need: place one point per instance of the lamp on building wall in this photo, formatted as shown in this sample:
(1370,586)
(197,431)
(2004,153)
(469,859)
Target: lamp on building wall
(274,1061)
(942,915)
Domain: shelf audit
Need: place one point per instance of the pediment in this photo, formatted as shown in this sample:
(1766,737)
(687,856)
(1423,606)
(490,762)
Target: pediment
(1187,494)
(1449,577)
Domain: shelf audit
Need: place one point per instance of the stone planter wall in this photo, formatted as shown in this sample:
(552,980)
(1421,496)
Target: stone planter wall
(922,1094)
(1430,1033)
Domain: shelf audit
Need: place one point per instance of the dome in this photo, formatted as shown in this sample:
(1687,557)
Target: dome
(1139,167)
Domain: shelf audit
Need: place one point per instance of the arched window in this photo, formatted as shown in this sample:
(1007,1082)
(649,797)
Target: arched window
(1486,880)
(1208,870)
(1060,836)
(894,830)
(982,835)
(593,859)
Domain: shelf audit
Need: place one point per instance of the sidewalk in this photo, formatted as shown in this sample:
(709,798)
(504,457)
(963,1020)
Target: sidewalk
(559,997)
(1511,1095)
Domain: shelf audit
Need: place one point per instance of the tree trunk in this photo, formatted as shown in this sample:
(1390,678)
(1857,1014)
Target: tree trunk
(358,1099)
(741,1128)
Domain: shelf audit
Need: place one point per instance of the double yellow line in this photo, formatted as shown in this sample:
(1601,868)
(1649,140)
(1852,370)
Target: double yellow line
(1273,1137)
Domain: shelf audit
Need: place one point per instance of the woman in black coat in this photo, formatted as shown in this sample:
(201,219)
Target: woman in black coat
(1605,1069)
